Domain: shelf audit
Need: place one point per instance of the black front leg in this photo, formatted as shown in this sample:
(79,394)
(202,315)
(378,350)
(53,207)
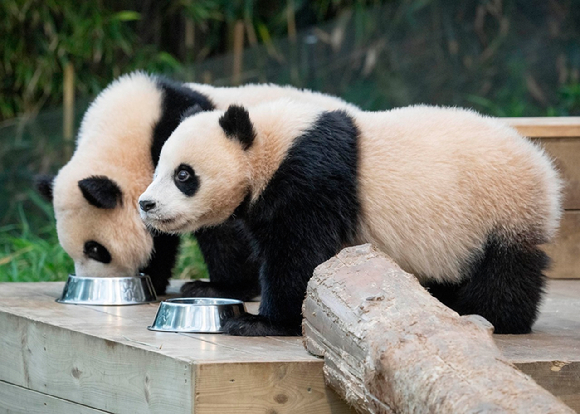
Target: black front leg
(307,212)
(232,266)
(162,260)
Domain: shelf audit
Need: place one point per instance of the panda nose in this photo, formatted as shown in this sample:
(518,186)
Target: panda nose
(146,205)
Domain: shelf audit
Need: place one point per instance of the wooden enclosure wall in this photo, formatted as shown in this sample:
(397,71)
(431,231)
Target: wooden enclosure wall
(560,137)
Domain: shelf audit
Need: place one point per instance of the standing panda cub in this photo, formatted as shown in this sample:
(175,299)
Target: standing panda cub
(460,200)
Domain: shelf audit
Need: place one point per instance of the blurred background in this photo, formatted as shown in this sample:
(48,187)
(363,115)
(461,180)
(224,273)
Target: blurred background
(500,57)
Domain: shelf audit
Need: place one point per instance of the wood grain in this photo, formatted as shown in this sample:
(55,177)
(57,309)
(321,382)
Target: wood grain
(566,155)
(18,400)
(546,126)
(390,347)
(265,388)
(565,251)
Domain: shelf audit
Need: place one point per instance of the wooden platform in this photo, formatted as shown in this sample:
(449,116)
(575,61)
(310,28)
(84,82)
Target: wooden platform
(78,359)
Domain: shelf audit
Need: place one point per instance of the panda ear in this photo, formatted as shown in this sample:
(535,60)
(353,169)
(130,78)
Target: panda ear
(101,191)
(237,125)
(192,110)
(43,184)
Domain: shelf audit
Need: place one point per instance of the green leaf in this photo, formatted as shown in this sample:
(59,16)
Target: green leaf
(127,16)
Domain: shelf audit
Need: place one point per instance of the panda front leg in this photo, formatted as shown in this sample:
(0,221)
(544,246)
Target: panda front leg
(162,260)
(283,290)
(232,266)
(291,246)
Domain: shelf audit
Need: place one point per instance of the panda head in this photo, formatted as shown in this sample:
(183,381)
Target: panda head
(94,224)
(95,194)
(203,173)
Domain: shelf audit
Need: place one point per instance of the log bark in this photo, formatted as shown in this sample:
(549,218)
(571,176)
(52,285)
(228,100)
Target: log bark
(390,347)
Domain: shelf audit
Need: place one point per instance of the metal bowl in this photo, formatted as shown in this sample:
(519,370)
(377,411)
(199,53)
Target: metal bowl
(130,290)
(199,315)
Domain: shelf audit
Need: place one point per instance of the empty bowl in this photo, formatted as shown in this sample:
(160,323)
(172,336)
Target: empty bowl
(129,290)
(196,315)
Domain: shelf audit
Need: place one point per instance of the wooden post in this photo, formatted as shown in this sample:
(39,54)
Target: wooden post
(68,106)
(238,52)
(390,347)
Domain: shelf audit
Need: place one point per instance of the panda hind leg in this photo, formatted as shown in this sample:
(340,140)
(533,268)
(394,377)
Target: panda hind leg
(504,284)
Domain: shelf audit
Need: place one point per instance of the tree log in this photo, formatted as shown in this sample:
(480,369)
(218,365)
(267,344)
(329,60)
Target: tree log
(390,347)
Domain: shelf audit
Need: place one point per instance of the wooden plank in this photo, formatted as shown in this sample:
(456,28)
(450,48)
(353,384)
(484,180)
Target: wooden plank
(18,400)
(565,251)
(566,155)
(545,127)
(245,388)
(93,371)
(551,354)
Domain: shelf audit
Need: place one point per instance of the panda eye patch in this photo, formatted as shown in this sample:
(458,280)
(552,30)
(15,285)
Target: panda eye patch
(186,180)
(97,251)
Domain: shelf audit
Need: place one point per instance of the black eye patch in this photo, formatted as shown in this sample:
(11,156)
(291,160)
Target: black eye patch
(97,251)
(186,180)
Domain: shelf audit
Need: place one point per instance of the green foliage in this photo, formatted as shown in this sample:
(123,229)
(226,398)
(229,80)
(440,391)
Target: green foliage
(32,254)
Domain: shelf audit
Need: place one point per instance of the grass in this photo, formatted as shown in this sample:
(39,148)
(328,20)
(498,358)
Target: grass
(31,253)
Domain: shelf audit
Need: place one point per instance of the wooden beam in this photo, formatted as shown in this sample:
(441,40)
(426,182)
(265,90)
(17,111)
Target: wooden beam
(546,127)
(18,400)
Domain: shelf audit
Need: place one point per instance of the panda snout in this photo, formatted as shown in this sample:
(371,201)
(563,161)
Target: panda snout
(147,205)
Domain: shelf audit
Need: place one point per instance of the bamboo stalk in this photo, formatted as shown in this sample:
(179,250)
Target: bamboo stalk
(68,106)
(238,52)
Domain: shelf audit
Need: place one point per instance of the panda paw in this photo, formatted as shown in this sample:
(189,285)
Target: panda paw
(258,325)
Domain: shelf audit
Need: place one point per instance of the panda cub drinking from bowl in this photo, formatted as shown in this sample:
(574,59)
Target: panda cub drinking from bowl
(459,200)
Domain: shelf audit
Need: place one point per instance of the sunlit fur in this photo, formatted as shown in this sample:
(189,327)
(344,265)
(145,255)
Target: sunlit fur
(435,182)
(115,141)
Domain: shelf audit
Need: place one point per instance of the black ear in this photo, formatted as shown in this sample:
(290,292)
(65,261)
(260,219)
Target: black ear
(43,184)
(101,192)
(236,124)
(192,110)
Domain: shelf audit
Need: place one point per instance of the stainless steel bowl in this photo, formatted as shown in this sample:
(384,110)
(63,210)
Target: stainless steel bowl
(198,315)
(130,290)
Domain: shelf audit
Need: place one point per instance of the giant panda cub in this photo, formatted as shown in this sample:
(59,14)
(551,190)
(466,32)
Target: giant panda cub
(459,200)
(95,194)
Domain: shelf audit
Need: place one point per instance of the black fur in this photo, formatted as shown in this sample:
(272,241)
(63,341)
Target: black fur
(189,186)
(232,267)
(177,101)
(237,125)
(226,252)
(504,285)
(101,191)
(165,248)
(306,214)
(97,251)
(43,184)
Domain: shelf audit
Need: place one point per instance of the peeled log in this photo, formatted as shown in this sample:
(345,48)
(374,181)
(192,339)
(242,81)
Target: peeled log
(390,347)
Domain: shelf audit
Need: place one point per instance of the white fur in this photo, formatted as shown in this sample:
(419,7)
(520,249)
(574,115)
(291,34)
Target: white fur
(434,183)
